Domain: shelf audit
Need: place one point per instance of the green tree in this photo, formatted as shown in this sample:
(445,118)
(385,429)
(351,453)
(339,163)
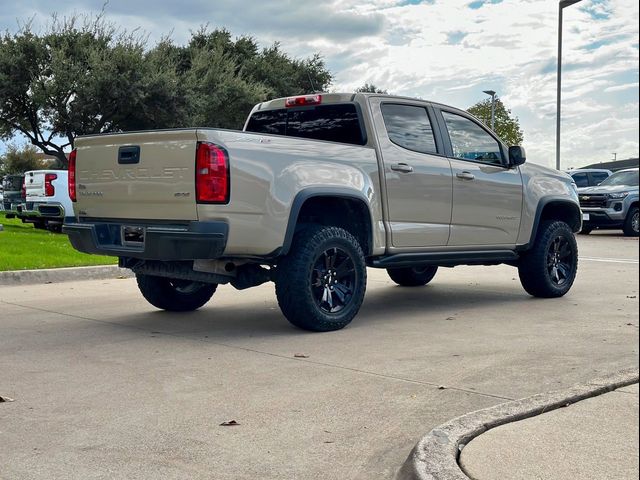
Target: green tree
(507,126)
(81,76)
(20,160)
(84,76)
(370,88)
(224,77)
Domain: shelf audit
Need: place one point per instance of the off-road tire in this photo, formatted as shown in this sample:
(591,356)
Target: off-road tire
(536,265)
(174,295)
(630,227)
(299,273)
(412,276)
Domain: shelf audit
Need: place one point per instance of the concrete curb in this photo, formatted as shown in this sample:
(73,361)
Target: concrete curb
(435,457)
(55,275)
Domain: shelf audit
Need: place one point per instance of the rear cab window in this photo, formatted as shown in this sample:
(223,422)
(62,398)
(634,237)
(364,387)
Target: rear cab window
(336,122)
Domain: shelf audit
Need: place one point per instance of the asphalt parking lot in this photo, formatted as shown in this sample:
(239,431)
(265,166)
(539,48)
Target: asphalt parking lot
(105,386)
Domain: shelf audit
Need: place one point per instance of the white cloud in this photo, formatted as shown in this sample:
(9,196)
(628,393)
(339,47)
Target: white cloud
(440,50)
(620,88)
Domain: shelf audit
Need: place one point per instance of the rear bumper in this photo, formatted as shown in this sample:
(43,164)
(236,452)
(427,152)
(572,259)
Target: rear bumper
(45,210)
(194,240)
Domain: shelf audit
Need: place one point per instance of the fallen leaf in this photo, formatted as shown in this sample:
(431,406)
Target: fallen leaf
(6,399)
(300,355)
(231,423)
(442,387)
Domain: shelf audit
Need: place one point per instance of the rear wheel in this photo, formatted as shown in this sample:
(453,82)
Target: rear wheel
(549,269)
(631,224)
(321,283)
(174,295)
(412,276)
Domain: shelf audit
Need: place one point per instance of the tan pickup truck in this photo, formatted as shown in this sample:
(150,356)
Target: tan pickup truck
(315,189)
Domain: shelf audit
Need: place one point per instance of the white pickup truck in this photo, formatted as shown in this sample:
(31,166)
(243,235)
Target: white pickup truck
(314,190)
(47,200)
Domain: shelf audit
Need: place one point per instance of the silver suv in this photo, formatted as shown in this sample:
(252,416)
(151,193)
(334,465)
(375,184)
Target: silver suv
(613,204)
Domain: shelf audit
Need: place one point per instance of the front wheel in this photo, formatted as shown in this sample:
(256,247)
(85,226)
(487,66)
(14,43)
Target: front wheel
(549,269)
(320,284)
(412,276)
(174,295)
(632,223)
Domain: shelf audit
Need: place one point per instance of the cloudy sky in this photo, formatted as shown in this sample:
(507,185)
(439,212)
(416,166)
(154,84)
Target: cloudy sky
(443,50)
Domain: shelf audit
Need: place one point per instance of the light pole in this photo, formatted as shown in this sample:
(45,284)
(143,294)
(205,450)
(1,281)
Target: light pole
(563,4)
(493,107)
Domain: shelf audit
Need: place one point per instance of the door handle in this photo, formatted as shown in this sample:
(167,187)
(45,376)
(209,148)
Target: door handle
(465,175)
(401,167)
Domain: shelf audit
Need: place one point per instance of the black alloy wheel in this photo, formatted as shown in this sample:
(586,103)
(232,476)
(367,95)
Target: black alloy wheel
(333,280)
(560,261)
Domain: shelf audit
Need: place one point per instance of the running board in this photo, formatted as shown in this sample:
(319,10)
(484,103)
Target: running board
(445,259)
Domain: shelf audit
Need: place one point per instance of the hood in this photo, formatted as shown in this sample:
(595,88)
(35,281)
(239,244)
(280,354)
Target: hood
(607,189)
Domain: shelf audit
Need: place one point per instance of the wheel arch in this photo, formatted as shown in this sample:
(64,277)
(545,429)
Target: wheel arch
(555,208)
(355,216)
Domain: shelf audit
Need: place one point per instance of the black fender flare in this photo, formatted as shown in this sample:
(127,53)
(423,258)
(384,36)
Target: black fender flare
(542,204)
(311,192)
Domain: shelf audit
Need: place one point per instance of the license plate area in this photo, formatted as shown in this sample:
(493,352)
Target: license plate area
(132,236)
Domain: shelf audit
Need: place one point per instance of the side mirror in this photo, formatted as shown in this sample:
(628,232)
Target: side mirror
(517,156)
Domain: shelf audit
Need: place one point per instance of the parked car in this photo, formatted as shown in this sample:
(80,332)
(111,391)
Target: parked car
(613,204)
(315,189)
(47,199)
(589,177)
(12,194)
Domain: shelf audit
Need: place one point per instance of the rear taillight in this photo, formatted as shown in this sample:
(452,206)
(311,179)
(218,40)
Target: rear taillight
(212,173)
(72,175)
(23,191)
(303,101)
(49,189)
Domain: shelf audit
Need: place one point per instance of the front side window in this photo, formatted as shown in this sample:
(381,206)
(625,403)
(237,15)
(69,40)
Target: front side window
(409,127)
(470,141)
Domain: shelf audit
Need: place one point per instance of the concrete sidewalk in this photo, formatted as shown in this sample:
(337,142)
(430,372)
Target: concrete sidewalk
(595,438)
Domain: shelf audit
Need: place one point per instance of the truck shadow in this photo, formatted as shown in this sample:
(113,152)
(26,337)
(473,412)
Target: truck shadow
(251,318)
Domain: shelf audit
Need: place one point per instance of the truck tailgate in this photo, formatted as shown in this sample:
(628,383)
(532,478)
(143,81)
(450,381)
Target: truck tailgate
(146,175)
(34,185)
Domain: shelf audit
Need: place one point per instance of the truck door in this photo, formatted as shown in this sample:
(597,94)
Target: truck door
(417,175)
(487,194)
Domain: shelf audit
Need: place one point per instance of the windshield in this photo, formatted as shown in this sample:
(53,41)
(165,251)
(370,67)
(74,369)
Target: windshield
(629,178)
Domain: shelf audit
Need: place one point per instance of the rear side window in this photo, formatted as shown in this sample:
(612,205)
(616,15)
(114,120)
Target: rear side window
(409,127)
(581,179)
(334,123)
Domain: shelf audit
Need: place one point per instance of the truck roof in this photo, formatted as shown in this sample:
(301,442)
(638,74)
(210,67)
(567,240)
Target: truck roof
(341,97)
